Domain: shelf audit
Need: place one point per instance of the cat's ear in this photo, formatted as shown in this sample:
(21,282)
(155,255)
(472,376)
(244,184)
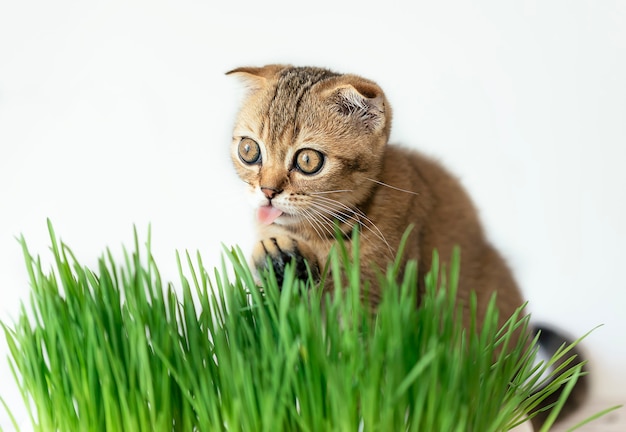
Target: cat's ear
(256,78)
(362,100)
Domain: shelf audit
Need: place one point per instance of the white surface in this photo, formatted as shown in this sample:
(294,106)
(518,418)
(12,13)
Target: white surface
(118,114)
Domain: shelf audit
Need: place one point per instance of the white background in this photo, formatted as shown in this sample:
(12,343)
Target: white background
(118,115)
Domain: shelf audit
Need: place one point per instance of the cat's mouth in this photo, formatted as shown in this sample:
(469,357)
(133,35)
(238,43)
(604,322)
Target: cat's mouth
(268,214)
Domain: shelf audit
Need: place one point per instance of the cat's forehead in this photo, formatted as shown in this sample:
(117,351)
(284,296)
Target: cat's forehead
(302,77)
(287,105)
(288,98)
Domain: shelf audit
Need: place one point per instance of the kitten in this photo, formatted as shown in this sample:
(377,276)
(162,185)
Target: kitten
(313,147)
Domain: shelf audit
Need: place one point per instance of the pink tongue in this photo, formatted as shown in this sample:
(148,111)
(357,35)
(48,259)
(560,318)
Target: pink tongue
(268,214)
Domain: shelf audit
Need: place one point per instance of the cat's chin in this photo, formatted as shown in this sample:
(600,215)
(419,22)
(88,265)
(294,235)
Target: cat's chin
(286,219)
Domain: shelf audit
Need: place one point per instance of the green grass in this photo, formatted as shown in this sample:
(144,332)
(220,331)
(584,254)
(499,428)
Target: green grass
(117,349)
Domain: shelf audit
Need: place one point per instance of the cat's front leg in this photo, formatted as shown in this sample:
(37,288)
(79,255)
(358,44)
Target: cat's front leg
(281,250)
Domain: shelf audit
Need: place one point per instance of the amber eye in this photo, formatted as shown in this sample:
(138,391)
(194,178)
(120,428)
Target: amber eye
(309,161)
(249,151)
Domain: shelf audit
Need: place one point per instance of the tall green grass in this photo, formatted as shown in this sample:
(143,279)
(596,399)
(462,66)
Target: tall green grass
(115,348)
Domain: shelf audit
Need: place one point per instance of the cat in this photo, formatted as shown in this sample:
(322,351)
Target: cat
(312,145)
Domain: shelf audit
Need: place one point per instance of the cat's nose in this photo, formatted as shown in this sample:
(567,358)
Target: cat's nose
(270,192)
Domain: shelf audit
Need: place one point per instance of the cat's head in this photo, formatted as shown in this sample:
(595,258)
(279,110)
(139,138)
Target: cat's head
(309,142)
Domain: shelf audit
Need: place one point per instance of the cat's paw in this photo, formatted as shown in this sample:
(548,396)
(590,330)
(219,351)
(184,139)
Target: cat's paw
(282,250)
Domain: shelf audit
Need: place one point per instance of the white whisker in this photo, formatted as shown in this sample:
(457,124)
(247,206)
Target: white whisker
(346,218)
(315,224)
(353,210)
(339,204)
(333,208)
(356,221)
(392,187)
(311,221)
(330,191)
(342,216)
(325,218)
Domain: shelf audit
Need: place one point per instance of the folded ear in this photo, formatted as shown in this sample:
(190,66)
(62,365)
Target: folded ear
(256,78)
(361,100)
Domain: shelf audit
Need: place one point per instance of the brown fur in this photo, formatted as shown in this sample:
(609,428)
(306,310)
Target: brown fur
(363,180)
(384,187)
